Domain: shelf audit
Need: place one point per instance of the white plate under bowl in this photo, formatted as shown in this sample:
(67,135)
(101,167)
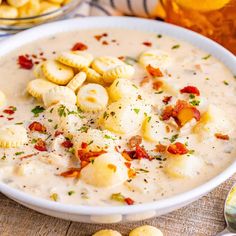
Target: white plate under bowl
(114,214)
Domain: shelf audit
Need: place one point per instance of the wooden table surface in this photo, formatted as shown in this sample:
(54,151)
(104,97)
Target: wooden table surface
(201,218)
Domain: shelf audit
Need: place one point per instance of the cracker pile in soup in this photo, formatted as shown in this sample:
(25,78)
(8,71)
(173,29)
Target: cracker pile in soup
(113,117)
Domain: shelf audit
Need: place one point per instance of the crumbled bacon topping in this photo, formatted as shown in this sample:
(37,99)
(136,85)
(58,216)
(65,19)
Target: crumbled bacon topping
(57,133)
(155,72)
(138,153)
(157,85)
(222,136)
(25,62)
(167,113)
(29,156)
(87,155)
(104,42)
(147,44)
(98,37)
(145,80)
(67,144)
(36,126)
(9,111)
(190,89)
(177,149)
(166,99)
(71,173)
(128,164)
(40,145)
(134,141)
(160,148)
(84,145)
(79,47)
(129,201)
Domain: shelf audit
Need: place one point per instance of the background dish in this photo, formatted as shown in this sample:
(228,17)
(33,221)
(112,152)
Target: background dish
(124,213)
(13,25)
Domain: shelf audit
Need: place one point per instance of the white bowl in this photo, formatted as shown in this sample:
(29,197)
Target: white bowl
(114,214)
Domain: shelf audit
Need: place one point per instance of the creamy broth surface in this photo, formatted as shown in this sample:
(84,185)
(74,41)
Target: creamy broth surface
(39,174)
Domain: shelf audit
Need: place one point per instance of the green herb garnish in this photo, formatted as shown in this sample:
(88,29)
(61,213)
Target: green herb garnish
(195,102)
(54,197)
(225,82)
(37,110)
(136,110)
(109,137)
(84,129)
(173,138)
(130,60)
(71,192)
(191,96)
(206,57)
(159,36)
(117,197)
(175,46)
(19,153)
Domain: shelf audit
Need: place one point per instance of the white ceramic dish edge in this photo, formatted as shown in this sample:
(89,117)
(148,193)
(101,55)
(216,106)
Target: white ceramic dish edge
(123,213)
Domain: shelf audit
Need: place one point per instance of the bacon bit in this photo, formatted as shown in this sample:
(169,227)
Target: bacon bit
(1,116)
(160,148)
(112,167)
(105,42)
(71,173)
(134,141)
(57,133)
(83,164)
(166,99)
(222,136)
(129,201)
(67,144)
(9,111)
(128,164)
(40,145)
(79,47)
(84,145)
(145,80)
(141,153)
(121,58)
(29,156)
(36,126)
(126,155)
(10,118)
(184,112)
(190,89)
(177,149)
(157,85)
(167,113)
(86,155)
(131,173)
(155,72)
(25,63)
(198,67)
(147,44)
(98,37)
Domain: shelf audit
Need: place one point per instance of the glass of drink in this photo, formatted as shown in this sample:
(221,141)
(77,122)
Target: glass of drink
(215,19)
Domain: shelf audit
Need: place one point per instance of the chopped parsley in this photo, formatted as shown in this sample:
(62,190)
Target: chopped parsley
(149,118)
(160,92)
(207,78)
(117,197)
(195,102)
(173,138)
(55,126)
(71,192)
(191,96)
(136,110)
(71,150)
(37,110)
(175,46)
(130,60)
(105,115)
(62,111)
(19,153)
(34,141)
(19,123)
(191,151)
(84,129)
(206,57)
(54,197)
(3,157)
(159,36)
(134,86)
(225,82)
(109,137)
(143,170)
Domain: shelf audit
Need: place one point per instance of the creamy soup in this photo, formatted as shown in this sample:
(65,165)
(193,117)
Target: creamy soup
(113,117)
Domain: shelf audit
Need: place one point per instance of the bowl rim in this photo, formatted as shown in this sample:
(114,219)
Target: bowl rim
(197,40)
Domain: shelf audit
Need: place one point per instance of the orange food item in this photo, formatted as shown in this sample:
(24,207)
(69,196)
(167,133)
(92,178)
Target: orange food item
(155,72)
(177,149)
(222,136)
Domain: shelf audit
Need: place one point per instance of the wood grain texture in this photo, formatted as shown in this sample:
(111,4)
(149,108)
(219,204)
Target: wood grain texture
(202,218)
